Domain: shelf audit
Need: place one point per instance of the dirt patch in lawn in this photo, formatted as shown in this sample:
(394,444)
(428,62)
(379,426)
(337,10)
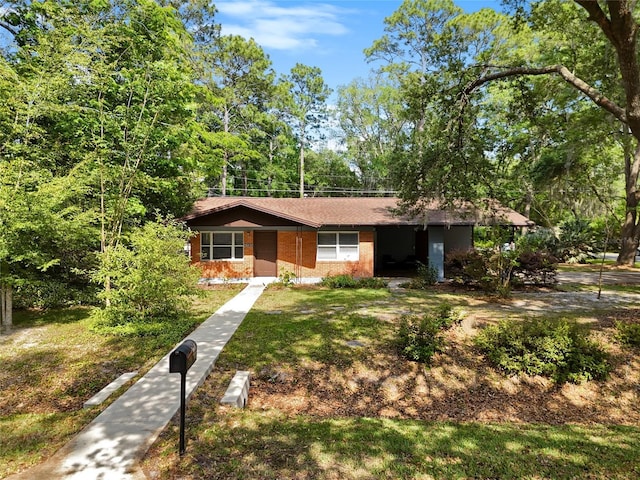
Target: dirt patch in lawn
(459,386)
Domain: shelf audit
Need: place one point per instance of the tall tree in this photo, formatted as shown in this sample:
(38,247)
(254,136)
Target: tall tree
(597,29)
(307,108)
(102,99)
(239,77)
(370,114)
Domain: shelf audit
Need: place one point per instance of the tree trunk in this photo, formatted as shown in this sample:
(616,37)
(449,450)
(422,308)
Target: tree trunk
(6,309)
(302,170)
(628,240)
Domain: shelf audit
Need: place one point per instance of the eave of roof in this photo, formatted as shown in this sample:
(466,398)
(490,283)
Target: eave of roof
(319,212)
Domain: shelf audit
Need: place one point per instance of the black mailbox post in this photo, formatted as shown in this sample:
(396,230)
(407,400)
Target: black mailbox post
(180,361)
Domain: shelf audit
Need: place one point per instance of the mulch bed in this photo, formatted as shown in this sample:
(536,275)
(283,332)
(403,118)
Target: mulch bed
(459,386)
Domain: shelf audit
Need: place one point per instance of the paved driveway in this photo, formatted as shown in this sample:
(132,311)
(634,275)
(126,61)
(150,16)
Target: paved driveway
(592,278)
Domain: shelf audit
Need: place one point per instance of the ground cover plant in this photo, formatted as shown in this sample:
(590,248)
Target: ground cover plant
(53,361)
(554,348)
(332,398)
(421,337)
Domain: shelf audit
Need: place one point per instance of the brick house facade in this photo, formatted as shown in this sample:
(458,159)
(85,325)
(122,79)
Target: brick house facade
(241,237)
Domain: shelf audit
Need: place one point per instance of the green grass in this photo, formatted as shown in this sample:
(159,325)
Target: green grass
(291,327)
(52,362)
(249,445)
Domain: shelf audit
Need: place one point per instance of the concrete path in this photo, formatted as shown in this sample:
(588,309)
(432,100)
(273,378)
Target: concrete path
(110,447)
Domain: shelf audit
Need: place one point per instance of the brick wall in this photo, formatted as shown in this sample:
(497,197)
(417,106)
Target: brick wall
(310,267)
(225,269)
(296,254)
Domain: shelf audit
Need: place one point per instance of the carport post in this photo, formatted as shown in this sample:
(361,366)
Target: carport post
(436,250)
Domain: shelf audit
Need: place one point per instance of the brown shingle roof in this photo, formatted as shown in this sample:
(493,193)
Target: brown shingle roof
(351,211)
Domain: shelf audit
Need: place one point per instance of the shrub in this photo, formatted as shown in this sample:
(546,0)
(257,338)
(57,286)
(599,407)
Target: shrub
(427,276)
(559,350)
(372,282)
(51,293)
(149,279)
(628,333)
(577,241)
(497,271)
(286,278)
(419,338)
(348,281)
(339,281)
(538,240)
(466,266)
(538,268)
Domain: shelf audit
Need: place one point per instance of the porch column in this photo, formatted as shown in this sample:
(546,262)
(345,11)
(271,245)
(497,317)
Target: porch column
(436,250)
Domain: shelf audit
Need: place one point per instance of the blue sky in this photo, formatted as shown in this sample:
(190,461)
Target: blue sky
(330,34)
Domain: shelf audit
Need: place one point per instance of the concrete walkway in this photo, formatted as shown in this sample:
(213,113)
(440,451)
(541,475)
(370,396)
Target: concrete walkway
(110,447)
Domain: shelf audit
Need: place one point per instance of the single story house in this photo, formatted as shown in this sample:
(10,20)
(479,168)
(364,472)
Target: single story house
(244,237)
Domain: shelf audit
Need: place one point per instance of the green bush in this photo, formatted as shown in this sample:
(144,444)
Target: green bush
(577,241)
(628,333)
(149,279)
(538,240)
(52,293)
(556,349)
(419,338)
(427,276)
(286,278)
(348,281)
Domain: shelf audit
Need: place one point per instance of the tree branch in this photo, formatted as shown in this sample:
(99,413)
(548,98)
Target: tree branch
(597,97)
(598,16)
(9,28)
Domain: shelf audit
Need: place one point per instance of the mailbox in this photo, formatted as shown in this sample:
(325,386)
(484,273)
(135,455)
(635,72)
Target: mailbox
(183,357)
(180,360)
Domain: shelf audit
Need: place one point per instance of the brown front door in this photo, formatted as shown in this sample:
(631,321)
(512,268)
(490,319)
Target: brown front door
(265,251)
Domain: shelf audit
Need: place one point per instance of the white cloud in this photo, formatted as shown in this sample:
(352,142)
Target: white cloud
(295,27)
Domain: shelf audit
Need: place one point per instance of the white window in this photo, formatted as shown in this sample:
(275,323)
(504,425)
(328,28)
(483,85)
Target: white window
(338,246)
(221,246)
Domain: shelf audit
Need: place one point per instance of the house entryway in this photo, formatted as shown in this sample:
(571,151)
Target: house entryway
(265,251)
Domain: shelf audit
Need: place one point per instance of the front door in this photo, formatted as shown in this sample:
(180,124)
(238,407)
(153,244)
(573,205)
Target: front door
(422,246)
(265,252)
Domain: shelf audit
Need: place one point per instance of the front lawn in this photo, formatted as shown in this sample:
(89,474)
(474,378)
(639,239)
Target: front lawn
(331,398)
(52,363)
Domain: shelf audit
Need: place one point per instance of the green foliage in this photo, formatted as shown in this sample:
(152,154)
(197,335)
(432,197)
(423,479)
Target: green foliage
(556,349)
(577,241)
(348,281)
(538,240)
(427,276)
(420,338)
(53,293)
(498,271)
(628,333)
(148,279)
(286,277)
(372,282)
